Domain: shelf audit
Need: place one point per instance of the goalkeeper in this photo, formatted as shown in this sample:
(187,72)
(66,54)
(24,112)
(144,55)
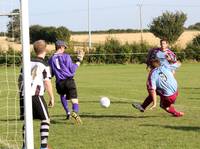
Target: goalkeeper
(64,70)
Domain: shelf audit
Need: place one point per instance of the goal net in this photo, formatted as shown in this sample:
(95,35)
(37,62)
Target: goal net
(10,64)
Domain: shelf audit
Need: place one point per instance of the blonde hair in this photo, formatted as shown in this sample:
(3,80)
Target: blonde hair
(39,46)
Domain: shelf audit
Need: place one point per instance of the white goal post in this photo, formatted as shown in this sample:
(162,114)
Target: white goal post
(29,139)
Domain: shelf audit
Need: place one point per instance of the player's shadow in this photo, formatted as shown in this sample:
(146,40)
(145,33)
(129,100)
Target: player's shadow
(96,116)
(182,128)
(61,121)
(114,116)
(113,102)
(191,88)
(197,98)
(10,120)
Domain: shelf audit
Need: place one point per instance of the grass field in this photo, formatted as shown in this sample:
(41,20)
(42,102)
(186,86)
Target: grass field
(119,126)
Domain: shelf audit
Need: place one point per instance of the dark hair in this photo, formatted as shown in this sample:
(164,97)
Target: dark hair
(152,59)
(163,39)
(154,63)
(57,47)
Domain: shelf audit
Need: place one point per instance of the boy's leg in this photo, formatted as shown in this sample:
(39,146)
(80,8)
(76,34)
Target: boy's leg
(73,96)
(173,111)
(144,105)
(40,111)
(44,133)
(147,102)
(75,105)
(23,135)
(21,103)
(64,102)
(167,104)
(75,108)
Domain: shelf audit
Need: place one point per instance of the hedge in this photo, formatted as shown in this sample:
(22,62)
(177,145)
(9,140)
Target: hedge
(111,52)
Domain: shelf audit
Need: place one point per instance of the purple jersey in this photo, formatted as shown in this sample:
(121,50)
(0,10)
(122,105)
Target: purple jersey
(62,66)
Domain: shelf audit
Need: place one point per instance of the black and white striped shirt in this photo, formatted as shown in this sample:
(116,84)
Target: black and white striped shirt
(40,71)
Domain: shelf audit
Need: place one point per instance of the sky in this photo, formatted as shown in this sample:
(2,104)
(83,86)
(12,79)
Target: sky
(105,14)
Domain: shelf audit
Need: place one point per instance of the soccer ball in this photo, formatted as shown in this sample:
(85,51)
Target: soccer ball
(105,102)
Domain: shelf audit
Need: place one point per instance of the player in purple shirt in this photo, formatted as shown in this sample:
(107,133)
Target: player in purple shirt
(160,82)
(64,70)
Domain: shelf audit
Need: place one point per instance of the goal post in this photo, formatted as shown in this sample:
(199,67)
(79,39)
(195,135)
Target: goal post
(29,139)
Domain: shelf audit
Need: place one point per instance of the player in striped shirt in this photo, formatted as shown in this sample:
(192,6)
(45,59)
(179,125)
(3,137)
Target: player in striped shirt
(64,70)
(164,54)
(41,75)
(161,82)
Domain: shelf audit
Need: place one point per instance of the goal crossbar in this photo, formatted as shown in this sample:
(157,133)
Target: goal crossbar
(9,14)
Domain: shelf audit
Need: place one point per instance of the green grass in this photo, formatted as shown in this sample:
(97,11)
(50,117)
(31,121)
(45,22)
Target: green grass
(119,126)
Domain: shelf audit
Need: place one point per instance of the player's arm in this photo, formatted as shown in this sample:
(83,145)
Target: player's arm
(153,94)
(49,89)
(80,56)
(171,57)
(48,85)
(74,66)
(151,87)
(51,70)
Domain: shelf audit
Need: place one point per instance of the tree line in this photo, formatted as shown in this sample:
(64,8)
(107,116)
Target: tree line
(169,25)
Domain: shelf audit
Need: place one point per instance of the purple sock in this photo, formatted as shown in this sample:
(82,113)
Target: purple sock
(75,107)
(64,103)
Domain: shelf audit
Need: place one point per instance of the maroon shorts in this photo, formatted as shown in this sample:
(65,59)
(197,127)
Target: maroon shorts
(166,101)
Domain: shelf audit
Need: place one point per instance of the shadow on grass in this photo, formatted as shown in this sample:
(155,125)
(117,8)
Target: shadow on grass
(191,88)
(113,102)
(62,121)
(182,128)
(95,116)
(10,120)
(195,98)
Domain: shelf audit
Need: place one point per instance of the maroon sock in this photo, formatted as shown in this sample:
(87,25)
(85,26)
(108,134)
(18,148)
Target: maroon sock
(172,110)
(147,102)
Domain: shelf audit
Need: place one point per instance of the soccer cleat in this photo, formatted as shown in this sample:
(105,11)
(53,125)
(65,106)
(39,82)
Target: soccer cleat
(138,107)
(178,114)
(76,117)
(68,116)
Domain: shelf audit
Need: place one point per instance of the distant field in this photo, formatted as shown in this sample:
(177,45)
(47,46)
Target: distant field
(184,39)
(118,127)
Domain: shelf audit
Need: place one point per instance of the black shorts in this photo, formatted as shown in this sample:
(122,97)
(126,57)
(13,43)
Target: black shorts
(40,110)
(67,87)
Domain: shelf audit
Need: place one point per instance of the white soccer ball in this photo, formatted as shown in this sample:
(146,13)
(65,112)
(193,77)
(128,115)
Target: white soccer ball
(105,102)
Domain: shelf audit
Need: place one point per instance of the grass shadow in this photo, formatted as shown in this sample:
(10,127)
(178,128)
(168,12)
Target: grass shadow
(63,121)
(182,128)
(198,98)
(190,88)
(113,102)
(10,120)
(96,116)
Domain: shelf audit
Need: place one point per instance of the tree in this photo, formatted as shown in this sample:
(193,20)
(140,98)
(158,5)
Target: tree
(13,26)
(169,25)
(49,34)
(195,26)
(35,33)
(192,51)
(63,33)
